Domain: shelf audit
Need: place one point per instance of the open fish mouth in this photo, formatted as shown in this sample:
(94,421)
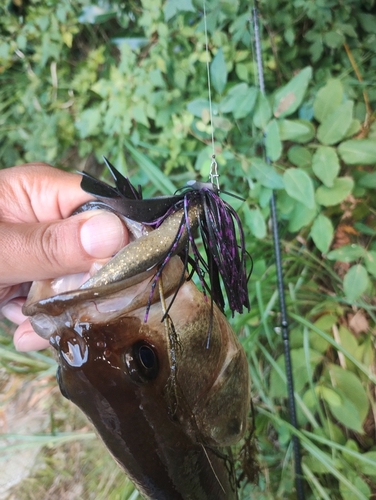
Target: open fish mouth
(96,303)
(118,286)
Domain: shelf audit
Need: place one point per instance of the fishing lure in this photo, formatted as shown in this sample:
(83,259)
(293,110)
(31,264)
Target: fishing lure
(218,223)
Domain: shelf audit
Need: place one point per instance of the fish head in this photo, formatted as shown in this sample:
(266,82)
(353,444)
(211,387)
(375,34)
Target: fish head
(191,359)
(159,391)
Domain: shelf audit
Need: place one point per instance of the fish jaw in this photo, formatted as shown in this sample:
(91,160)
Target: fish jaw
(210,377)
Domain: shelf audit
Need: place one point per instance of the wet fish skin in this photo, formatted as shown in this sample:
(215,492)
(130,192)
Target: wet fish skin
(171,448)
(166,404)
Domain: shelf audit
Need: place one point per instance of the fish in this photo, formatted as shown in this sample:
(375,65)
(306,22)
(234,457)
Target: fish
(152,361)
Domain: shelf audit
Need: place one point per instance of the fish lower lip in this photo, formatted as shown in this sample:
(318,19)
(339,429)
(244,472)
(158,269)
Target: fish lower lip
(44,325)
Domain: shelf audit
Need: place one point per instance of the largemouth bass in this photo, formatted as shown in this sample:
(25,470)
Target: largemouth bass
(153,363)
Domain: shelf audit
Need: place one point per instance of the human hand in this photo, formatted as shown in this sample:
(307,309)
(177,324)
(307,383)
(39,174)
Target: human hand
(39,240)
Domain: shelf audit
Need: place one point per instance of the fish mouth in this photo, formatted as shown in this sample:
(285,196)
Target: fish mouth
(122,284)
(50,304)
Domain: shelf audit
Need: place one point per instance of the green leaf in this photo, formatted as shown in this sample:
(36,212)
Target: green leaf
(353,446)
(330,396)
(300,216)
(347,29)
(264,196)
(96,15)
(285,204)
(347,253)
(198,106)
(273,142)
(358,152)
(350,386)
(289,36)
(355,282)
(218,71)
(361,486)
(322,233)
(222,123)
(138,112)
(172,7)
(89,122)
(342,409)
(242,72)
(328,98)
(288,98)
(296,130)
(370,262)
(255,221)
(300,156)
(301,375)
(333,39)
(335,125)
(299,186)
(265,174)
(249,101)
(368,180)
(262,112)
(325,165)
(203,161)
(367,468)
(368,22)
(325,323)
(328,197)
(277,386)
(233,98)
(316,50)
(239,100)
(355,127)
(365,353)
(348,341)
(310,461)
(363,228)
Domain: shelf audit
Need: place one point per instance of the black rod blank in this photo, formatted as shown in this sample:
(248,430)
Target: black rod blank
(281,289)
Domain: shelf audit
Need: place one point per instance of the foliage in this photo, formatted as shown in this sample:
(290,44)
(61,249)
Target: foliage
(129,80)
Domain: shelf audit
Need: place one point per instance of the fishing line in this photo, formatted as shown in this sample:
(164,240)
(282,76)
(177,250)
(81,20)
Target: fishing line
(213,175)
(280,280)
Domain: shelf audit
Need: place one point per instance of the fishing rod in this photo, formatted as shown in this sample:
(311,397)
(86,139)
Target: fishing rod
(280,282)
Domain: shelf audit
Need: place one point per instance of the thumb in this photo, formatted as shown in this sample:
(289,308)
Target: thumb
(39,251)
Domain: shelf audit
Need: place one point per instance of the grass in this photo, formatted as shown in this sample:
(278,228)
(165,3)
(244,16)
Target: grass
(338,457)
(61,458)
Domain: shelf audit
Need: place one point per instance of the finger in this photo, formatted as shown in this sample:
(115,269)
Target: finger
(13,311)
(38,192)
(25,339)
(11,292)
(39,251)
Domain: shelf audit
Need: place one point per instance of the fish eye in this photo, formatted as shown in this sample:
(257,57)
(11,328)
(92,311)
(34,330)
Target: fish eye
(147,357)
(142,362)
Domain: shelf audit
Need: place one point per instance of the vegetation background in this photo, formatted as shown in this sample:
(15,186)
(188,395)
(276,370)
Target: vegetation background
(127,79)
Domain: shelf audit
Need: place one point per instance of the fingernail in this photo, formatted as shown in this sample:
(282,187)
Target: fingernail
(103,235)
